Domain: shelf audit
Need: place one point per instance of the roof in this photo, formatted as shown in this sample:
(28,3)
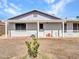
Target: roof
(34,11)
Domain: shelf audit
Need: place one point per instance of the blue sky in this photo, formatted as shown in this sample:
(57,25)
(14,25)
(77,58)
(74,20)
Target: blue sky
(60,8)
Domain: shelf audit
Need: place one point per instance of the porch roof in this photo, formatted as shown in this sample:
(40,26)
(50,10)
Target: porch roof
(22,21)
(75,20)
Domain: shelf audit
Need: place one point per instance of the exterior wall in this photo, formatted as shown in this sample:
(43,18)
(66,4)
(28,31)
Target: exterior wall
(70,26)
(31,28)
(52,26)
(11,26)
(69,32)
(18,33)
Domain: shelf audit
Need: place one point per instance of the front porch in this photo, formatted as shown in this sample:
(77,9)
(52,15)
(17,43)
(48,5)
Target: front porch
(41,29)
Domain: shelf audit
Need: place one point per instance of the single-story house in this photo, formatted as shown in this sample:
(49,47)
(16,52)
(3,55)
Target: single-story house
(42,25)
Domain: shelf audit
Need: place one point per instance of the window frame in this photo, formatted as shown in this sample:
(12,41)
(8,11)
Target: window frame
(20,26)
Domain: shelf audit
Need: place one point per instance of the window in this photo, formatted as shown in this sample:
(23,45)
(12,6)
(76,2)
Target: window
(75,27)
(20,26)
(41,26)
(65,27)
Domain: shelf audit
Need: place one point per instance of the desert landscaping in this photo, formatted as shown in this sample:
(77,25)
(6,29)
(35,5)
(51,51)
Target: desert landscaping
(55,48)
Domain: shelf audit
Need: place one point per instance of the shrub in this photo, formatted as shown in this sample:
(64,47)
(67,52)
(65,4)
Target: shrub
(32,47)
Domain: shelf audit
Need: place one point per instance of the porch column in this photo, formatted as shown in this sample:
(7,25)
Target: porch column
(63,28)
(38,29)
(6,29)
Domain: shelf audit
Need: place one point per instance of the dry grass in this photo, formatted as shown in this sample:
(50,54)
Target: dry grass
(67,48)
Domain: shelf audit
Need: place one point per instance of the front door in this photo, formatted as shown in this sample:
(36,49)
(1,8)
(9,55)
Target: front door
(41,30)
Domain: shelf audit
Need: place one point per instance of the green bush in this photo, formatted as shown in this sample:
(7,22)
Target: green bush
(32,47)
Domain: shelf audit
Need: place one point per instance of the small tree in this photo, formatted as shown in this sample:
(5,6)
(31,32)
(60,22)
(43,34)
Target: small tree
(32,47)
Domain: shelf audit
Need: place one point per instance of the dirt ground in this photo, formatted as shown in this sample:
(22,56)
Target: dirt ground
(65,48)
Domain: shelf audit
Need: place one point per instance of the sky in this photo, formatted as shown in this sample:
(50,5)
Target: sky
(59,8)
